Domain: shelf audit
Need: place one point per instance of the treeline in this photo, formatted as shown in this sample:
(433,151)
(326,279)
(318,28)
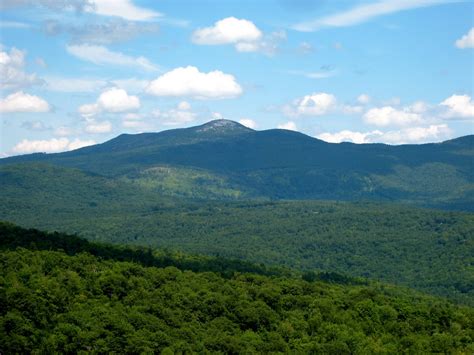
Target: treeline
(70,302)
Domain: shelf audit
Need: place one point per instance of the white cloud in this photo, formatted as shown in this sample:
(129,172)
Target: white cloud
(182,114)
(22,102)
(390,116)
(315,104)
(117,100)
(365,12)
(12,73)
(417,135)
(247,122)
(101,55)
(466,41)
(189,81)
(290,125)
(53,145)
(458,106)
(112,100)
(122,8)
(363,99)
(347,136)
(411,135)
(243,34)
(230,30)
(98,127)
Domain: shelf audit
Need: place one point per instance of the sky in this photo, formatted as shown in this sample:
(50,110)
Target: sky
(80,72)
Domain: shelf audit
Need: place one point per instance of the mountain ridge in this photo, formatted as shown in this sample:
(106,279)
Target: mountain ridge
(279,164)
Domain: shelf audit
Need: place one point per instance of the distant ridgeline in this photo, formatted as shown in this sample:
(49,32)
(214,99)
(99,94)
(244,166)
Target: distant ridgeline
(225,160)
(62,294)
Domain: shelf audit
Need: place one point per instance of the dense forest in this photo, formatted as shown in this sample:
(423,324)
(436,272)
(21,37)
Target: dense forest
(430,250)
(60,293)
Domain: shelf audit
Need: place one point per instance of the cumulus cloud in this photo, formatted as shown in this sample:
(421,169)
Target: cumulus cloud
(230,30)
(458,106)
(22,102)
(466,41)
(117,100)
(112,100)
(390,116)
(182,114)
(411,135)
(290,125)
(101,55)
(53,145)
(12,73)
(243,34)
(189,81)
(247,122)
(315,104)
(364,12)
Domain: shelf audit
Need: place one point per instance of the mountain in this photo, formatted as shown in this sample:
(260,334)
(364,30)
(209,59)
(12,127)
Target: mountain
(136,189)
(223,159)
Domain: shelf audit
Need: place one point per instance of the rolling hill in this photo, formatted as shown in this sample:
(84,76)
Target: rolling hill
(62,294)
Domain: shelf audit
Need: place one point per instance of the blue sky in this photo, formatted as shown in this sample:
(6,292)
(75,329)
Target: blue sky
(79,72)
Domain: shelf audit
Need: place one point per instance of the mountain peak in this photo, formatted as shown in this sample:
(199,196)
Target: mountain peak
(222,126)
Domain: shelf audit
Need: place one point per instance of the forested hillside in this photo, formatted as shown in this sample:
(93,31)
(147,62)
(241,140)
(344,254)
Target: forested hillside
(71,301)
(426,249)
